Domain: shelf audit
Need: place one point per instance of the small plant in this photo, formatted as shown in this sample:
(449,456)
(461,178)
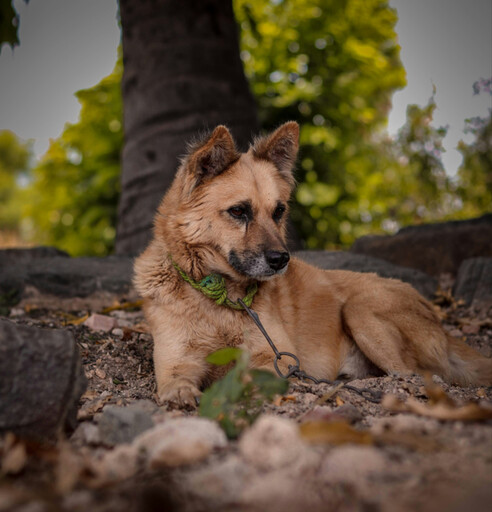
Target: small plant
(236,400)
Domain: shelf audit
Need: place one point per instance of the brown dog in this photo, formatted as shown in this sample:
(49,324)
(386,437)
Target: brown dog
(225,213)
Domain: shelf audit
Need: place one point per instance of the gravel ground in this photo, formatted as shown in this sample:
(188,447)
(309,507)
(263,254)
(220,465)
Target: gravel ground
(393,461)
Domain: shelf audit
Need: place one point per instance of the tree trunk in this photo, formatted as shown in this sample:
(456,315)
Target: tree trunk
(182,74)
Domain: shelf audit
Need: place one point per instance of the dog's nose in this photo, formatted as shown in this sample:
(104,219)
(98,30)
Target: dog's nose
(276,259)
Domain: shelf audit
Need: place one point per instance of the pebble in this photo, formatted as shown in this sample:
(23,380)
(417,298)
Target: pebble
(181,441)
(353,465)
(98,322)
(119,425)
(272,442)
(117,332)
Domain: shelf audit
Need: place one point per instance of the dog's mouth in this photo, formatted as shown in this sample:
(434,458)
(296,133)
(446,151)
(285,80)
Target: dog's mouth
(259,265)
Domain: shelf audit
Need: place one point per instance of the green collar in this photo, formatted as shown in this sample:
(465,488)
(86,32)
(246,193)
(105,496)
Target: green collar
(213,286)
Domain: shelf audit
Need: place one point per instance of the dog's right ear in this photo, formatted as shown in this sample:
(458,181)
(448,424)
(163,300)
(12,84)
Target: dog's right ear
(213,156)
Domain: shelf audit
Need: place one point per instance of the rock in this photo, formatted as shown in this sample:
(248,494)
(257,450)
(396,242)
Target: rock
(41,381)
(123,424)
(333,260)
(272,442)
(180,441)
(432,248)
(118,464)
(98,322)
(16,255)
(353,465)
(474,281)
(64,276)
(86,433)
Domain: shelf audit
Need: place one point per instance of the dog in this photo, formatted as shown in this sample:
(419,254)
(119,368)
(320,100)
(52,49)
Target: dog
(225,214)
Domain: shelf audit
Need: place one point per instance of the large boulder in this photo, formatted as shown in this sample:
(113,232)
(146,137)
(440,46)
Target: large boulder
(51,271)
(333,260)
(432,248)
(474,281)
(41,381)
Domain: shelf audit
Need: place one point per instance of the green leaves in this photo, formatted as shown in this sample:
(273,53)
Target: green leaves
(236,400)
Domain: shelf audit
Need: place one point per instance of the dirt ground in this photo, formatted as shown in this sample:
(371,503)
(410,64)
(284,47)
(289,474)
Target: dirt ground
(406,460)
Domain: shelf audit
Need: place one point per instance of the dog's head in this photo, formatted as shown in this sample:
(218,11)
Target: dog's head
(227,211)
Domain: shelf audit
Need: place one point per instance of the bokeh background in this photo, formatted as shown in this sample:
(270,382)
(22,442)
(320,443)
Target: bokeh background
(394,100)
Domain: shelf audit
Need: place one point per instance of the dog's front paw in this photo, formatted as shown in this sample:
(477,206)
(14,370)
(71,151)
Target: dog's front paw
(179,394)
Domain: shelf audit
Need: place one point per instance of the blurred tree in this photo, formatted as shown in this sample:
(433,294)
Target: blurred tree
(73,197)
(9,23)
(475,172)
(332,65)
(15,157)
(182,74)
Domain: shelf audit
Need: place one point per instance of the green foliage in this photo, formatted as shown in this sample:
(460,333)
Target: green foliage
(75,189)
(15,157)
(236,400)
(332,65)
(475,173)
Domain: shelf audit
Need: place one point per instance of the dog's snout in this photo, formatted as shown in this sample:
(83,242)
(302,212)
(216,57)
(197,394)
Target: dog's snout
(276,259)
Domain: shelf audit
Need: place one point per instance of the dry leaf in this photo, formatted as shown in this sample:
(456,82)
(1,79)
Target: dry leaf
(333,432)
(68,470)
(440,410)
(123,305)
(87,411)
(15,456)
(327,396)
(100,373)
(339,401)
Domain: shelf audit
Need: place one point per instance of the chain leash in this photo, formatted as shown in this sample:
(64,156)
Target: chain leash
(294,370)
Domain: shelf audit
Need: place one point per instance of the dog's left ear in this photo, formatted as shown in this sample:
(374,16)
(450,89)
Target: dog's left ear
(280,148)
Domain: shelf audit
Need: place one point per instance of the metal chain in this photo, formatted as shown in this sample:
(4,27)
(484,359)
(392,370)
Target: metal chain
(294,370)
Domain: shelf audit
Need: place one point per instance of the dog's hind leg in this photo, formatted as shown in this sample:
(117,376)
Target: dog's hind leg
(380,340)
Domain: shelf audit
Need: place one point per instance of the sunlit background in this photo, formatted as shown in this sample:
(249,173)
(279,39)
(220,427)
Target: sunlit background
(65,194)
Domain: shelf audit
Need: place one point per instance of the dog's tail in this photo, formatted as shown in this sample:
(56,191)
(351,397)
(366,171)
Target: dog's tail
(467,366)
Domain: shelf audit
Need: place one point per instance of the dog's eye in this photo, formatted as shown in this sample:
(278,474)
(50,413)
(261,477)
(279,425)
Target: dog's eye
(278,213)
(238,212)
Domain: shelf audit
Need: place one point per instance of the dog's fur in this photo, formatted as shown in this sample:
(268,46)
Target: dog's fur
(226,213)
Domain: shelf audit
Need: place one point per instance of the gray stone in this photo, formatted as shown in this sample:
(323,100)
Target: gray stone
(66,277)
(432,248)
(341,260)
(123,424)
(41,381)
(474,281)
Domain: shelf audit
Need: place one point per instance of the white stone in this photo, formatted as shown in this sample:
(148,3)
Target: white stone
(272,442)
(180,441)
(98,322)
(353,465)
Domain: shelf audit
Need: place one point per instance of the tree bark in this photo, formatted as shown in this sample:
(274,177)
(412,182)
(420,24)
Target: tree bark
(182,74)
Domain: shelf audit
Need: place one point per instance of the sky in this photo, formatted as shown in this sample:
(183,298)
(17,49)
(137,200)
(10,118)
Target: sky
(68,45)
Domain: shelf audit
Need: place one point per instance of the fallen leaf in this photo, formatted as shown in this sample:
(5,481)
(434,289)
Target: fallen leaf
(333,432)
(68,470)
(339,401)
(87,411)
(137,304)
(327,396)
(440,410)
(15,456)
(100,373)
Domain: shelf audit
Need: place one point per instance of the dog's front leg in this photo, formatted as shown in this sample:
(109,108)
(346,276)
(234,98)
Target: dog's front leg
(179,372)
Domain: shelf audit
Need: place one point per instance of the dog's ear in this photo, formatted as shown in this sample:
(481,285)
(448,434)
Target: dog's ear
(280,148)
(213,156)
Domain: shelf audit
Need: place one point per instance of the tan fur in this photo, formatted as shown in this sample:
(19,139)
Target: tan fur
(337,322)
